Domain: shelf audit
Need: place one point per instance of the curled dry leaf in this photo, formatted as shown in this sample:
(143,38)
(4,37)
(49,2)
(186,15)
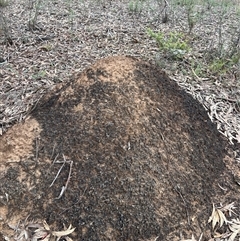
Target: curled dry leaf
(63,233)
(234,228)
(217,217)
(233,236)
(228,208)
(237,136)
(45,225)
(41,236)
(40,230)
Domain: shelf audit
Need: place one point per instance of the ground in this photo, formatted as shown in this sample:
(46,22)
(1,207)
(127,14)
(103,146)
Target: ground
(140,158)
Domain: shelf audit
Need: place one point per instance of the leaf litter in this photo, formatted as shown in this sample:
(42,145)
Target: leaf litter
(39,230)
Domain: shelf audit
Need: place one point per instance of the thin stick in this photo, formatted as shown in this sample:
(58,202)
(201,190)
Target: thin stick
(58,171)
(200,238)
(184,202)
(52,163)
(64,188)
(37,143)
(69,174)
(53,150)
(55,158)
(61,193)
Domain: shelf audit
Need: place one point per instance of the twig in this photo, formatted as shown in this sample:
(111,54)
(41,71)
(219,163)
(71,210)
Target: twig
(200,238)
(64,188)
(195,74)
(55,158)
(165,17)
(58,171)
(61,193)
(69,174)
(52,163)
(184,202)
(37,141)
(54,146)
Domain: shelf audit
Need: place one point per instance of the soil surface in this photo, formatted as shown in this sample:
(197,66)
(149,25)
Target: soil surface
(145,161)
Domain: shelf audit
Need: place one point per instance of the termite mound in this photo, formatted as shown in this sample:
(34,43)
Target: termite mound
(146,159)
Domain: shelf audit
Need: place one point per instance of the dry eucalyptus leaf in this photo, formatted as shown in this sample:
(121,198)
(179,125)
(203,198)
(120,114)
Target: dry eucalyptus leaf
(217,217)
(222,218)
(235,225)
(46,226)
(63,233)
(233,236)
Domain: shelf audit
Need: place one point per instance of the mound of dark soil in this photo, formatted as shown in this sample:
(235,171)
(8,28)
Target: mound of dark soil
(146,162)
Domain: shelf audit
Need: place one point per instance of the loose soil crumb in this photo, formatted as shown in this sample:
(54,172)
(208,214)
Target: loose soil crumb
(147,160)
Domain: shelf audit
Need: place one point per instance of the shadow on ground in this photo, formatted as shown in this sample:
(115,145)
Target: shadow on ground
(147,162)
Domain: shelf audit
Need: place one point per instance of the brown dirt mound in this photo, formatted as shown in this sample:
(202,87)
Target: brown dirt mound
(146,160)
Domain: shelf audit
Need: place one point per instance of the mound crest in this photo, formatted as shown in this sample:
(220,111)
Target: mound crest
(146,159)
